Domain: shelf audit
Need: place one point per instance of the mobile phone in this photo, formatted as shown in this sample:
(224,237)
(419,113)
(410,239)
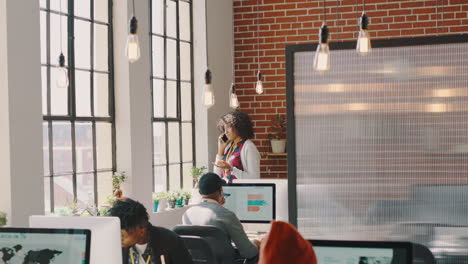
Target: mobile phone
(224,138)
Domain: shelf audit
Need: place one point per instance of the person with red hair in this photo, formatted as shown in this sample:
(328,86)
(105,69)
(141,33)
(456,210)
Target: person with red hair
(284,244)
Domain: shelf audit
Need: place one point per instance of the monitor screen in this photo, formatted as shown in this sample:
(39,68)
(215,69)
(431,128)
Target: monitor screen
(51,246)
(106,244)
(362,252)
(251,202)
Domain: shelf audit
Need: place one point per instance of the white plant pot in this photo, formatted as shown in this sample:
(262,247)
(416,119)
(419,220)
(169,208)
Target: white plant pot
(278,145)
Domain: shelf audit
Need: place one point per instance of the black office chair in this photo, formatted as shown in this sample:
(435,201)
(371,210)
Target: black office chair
(219,241)
(199,249)
(422,255)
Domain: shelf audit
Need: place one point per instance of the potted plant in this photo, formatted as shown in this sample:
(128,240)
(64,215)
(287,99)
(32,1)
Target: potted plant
(172,198)
(196,173)
(278,136)
(3,218)
(186,197)
(156,198)
(117,179)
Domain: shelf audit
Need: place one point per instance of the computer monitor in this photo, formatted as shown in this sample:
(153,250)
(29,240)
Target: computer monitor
(251,202)
(106,244)
(35,245)
(362,252)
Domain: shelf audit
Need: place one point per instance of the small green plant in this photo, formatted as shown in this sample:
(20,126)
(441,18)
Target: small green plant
(173,195)
(158,196)
(278,125)
(117,179)
(3,218)
(186,195)
(197,172)
(111,200)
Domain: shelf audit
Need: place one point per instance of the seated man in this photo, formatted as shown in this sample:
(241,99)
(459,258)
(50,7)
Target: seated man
(144,243)
(211,212)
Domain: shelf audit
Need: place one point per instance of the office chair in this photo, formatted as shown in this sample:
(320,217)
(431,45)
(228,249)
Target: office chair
(218,240)
(199,249)
(422,255)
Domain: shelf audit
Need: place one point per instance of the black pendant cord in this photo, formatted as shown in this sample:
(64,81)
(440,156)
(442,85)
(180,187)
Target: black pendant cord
(233,47)
(206,34)
(258,37)
(61,32)
(133,4)
(324,12)
(363,6)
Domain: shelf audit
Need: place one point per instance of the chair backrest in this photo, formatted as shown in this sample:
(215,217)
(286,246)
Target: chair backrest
(218,240)
(199,249)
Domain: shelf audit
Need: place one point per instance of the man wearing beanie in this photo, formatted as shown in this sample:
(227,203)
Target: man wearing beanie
(284,244)
(211,212)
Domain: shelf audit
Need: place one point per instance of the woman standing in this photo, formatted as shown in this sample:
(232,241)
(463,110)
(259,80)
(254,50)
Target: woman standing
(238,157)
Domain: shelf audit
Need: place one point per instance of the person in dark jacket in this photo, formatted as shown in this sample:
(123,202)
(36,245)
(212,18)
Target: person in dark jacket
(143,243)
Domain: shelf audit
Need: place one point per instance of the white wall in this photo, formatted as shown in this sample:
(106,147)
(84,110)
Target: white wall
(21,158)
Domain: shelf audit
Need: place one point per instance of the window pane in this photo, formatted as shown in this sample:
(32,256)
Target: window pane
(55,39)
(171,59)
(44,89)
(43,3)
(187,144)
(171,100)
(104,145)
(47,195)
(83,93)
(159,141)
(158,57)
(62,147)
(184,20)
(171,19)
(185,61)
(45,147)
(174,142)
(186,101)
(58,96)
(157,17)
(43,37)
(82,44)
(104,181)
(158,98)
(101,94)
(82,8)
(174,177)
(101,10)
(55,5)
(63,192)
(85,189)
(160,178)
(84,146)
(101,47)
(188,180)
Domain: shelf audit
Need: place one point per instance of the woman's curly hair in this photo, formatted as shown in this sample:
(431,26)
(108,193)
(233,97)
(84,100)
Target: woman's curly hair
(131,213)
(240,122)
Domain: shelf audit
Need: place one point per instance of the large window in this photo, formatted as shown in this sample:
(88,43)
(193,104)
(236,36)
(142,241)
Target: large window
(78,121)
(172,89)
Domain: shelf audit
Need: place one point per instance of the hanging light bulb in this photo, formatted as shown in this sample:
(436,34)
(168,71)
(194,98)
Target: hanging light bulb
(132,50)
(322,55)
(233,101)
(363,43)
(62,74)
(259,86)
(208,94)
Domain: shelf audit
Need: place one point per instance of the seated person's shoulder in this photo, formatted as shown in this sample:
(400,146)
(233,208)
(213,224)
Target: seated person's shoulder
(164,233)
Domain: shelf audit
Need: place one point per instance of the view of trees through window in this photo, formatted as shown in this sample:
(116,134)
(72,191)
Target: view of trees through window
(172,89)
(78,122)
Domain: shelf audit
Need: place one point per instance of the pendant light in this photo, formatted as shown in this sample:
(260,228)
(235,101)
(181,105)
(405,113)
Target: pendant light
(233,101)
(132,49)
(208,94)
(363,46)
(259,84)
(62,73)
(322,54)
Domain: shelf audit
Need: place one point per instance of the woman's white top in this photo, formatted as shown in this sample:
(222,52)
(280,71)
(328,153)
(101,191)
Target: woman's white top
(250,158)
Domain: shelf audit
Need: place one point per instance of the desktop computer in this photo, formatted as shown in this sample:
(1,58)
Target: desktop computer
(53,246)
(106,244)
(362,252)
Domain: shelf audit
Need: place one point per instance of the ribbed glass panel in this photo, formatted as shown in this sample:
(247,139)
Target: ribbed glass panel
(382,147)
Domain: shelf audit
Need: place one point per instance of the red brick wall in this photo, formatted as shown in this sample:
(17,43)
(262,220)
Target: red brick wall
(270,25)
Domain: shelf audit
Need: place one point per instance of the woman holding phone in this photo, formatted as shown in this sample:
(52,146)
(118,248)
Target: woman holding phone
(238,157)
